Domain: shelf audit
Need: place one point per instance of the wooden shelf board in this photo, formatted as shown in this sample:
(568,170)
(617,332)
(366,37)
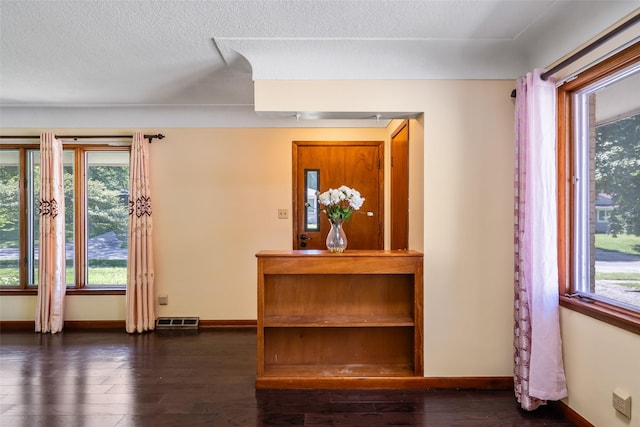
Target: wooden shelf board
(341,320)
(337,370)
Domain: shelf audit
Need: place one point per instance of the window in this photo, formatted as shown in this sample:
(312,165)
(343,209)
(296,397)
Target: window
(599,172)
(312,213)
(603,216)
(10,223)
(32,181)
(96,181)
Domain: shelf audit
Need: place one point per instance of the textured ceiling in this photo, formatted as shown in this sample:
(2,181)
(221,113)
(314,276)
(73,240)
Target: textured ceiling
(207,53)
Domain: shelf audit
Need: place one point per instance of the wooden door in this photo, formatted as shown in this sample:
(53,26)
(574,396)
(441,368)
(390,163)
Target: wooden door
(319,165)
(400,187)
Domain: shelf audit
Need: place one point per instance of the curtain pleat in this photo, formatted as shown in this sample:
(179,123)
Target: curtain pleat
(140,311)
(538,370)
(51,257)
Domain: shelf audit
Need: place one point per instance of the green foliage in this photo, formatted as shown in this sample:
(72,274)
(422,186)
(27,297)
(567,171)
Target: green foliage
(617,172)
(107,211)
(617,276)
(107,208)
(623,243)
(113,177)
(9,208)
(9,276)
(97,276)
(108,276)
(68,202)
(632,285)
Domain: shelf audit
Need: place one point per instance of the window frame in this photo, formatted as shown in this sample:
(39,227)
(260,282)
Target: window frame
(80,286)
(603,214)
(604,311)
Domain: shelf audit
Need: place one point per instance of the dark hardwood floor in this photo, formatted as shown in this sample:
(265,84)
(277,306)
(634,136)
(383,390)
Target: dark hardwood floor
(206,378)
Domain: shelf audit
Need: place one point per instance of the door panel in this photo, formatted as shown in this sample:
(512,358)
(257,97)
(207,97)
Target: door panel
(354,164)
(400,188)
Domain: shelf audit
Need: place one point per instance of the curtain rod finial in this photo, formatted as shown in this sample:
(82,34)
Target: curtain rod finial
(150,137)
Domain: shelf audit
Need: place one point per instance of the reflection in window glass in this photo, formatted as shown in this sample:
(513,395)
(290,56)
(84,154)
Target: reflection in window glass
(10,218)
(312,186)
(107,217)
(608,189)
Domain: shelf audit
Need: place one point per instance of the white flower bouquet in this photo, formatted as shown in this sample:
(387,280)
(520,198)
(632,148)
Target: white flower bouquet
(340,203)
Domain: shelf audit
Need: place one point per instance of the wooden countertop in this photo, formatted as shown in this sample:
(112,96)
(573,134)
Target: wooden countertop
(345,254)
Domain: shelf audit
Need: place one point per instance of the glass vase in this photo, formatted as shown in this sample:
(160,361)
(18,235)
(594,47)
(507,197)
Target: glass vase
(336,239)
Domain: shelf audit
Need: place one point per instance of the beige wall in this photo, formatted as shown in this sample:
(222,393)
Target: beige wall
(599,358)
(216,197)
(462,181)
(217,191)
(468,208)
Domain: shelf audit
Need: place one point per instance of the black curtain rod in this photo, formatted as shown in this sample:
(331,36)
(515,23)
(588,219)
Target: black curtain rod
(596,44)
(587,49)
(76,137)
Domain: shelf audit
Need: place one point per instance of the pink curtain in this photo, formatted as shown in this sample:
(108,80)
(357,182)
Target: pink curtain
(538,372)
(140,315)
(51,260)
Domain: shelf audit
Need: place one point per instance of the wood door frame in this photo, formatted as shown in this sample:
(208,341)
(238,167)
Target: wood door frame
(294,186)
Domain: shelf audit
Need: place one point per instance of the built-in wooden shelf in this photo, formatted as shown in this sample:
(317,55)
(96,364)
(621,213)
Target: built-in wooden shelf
(339,320)
(333,370)
(325,318)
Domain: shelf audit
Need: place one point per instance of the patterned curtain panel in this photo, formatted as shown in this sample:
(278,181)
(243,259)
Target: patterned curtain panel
(140,281)
(51,259)
(538,371)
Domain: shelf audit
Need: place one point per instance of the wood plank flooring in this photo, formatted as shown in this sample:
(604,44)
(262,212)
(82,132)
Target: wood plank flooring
(206,378)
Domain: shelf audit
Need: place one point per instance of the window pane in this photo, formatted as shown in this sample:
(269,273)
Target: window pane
(312,185)
(69,214)
(107,217)
(610,175)
(10,218)
(33,229)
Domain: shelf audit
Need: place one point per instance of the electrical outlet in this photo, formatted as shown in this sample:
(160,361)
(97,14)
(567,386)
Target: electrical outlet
(622,402)
(283,213)
(163,300)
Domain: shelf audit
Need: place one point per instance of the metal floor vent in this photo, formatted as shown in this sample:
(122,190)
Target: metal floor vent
(177,322)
